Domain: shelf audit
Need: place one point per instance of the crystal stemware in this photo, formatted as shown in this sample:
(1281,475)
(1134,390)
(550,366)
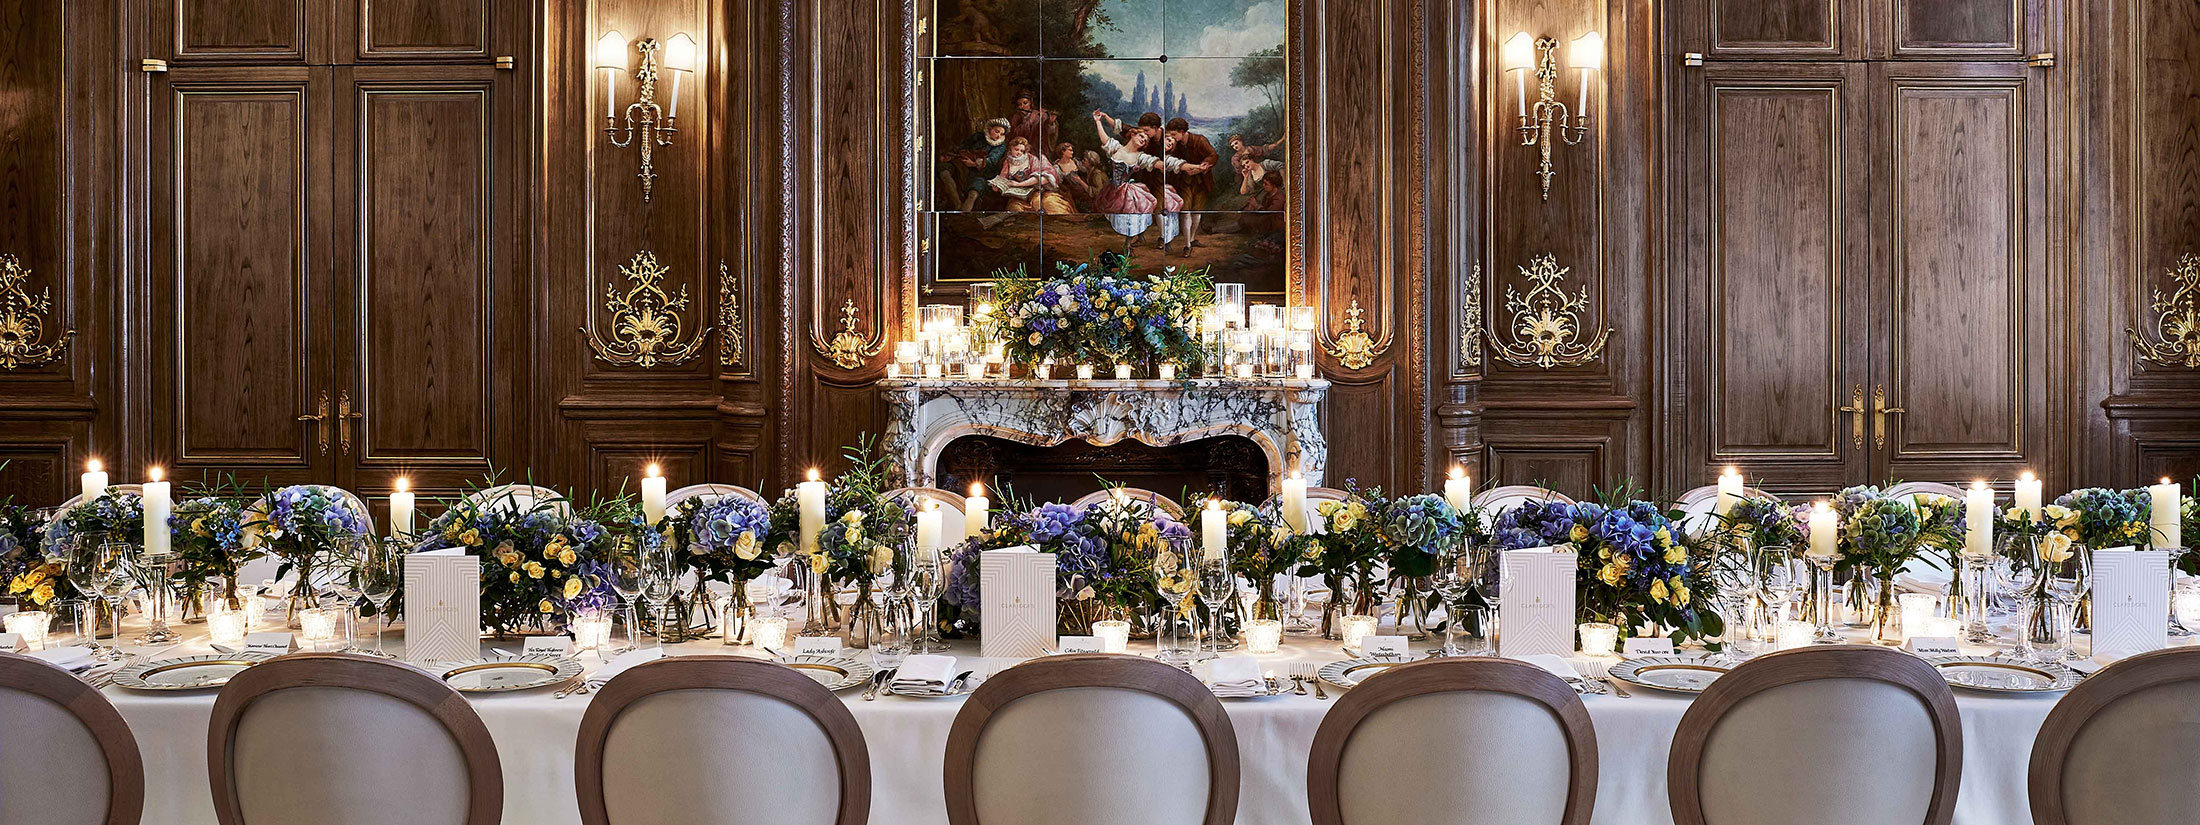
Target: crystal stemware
(381,575)
(1217,585)
(112,573)
(660,582)
(627,578)
(928,573)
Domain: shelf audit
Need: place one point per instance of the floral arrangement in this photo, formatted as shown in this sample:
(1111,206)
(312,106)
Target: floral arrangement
(863,524)
(28,574)
(119,515)
(207,532)
(1098,312)
(1349,546)
(722,539)
(1416,530)
(1104,557)
(1764,522)
(538,565)
(1635,570)
(301,525)
(2098,517)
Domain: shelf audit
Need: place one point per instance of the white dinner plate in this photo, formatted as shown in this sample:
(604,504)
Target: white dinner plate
(1348,674)
(834,672)
(499,675)
(2004,674)
(203,672)
(1678,674)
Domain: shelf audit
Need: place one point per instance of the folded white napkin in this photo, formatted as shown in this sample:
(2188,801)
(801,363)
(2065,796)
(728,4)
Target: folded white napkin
(1235,676)
(924,674)
(1551,662)
(74,657)
(1922,581)
(621,662)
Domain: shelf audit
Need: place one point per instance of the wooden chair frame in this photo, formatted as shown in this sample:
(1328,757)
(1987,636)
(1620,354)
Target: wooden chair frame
(125,765)
(2076,709)
(484,772)
(1150,498)
(1894,667)
(735,673)
(1106,670)
(1433,676)
(677,497)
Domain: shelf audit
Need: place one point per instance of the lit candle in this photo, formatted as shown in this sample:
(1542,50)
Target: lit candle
(2028,496)
(401,508)
(1357,629)
(1168,371)
(1599,638)
(1978,521)
(1459,490)
(1794,634)
(1730,491)
(1114,635)
(928,526)
(1263,636)
(974,369)
(2186,602)
(1245,370)
(809,498)
(1084,372)
(770,632)
(594,633)
(2168,503)
(1917,610)
(227,626)
(1294,502)
(933,369)
(1823,525)
(977,514)
(653,495)
(30,627)
(317,626)
(94,479)
(159,502)
(1214,530)
(1306,372)
(1122,372)
(1939,627)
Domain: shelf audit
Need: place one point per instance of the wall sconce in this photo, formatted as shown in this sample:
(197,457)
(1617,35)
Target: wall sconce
(643,116)
(1549,121)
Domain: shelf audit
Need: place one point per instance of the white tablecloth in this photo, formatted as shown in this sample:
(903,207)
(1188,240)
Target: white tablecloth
(907,737)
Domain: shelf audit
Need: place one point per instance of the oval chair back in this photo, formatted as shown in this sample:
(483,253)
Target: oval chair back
(339,739)
(1146,497)
(1494,502)
(712,739)
(69,759)
(1092,738)
(708,493)
(518,498)
(2119,748)
(1493,742)
(1912,488)
(1697,506)
(953,529)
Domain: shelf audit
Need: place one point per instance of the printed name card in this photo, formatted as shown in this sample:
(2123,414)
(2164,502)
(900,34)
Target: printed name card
(817,645)
(1016,591)
(10,642)
(272,641)
(2130,602)
(1079,644)
(1537,610)
(1382,645)
(1649,646)
(1934,646)
(442,606)
(545,645)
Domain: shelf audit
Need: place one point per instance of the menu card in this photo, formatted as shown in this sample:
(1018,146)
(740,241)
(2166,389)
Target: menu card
(442,605)
(2130,602)
(1535,612)
(1016,616)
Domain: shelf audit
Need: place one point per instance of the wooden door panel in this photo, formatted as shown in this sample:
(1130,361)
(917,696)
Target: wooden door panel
(242,307)
(1771,29)
(380,31)
(1963,269)
(236,31)
(1972,29)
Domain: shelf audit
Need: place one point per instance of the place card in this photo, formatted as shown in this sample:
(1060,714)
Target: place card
(1648,646)
(2130,602)
(10,642)
(545,645)
(442,605)
(1016,592)
(275,641)
(1933,646)
(1078,644)
(817,645)
(1382,645)
(1537,611)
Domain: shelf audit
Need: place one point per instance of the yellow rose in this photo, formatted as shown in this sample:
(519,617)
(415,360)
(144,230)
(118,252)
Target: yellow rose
(1327,508)
(881,558)
(1676,554)
(43,593)
(534,569)
(1604,552)
(1664,536)
(853,517)
(19,584)
(2055,547)
(1240,516)
(1032,339)
(547,607)
(854,534)
(1609,574)
(1657,591)
(515,577)
(470,538)
(572,588)
(566,556)
(818,564)
(747,547)
(198,526)
(2060,516)
(1579,533)
(1680,592)
(509,557)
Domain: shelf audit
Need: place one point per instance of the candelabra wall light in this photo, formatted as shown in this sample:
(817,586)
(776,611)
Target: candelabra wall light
(1548,121)
(645,120)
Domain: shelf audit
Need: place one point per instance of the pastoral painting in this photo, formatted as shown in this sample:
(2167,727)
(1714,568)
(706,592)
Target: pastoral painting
(1063,128)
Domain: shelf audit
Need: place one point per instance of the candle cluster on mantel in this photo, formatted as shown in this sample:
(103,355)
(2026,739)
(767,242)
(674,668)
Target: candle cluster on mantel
(1241,340)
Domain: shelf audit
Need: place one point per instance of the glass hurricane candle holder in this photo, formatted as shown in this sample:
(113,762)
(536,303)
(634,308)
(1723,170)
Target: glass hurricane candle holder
(1263,636)
(1915,609)
(1114,635)
(1356,629)
(1084,372)
(934,369)
(1168,371)
(228,627)
(1122,372)
(317,627)
(592,632)
(769,632)
(30,627)
(1791,634)
(1599,638)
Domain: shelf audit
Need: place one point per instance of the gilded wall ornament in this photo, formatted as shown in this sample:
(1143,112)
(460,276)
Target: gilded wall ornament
(848,349)
(1546,322)
(23,323)
(2176,334)
(732,335)
(1355,349)
(1470,323)
(645,321)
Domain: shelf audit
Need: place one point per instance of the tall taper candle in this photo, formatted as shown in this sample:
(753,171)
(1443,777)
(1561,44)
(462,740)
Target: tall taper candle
(653,495)
(1214,530)
(1823,526)
(401,508)
(94,480)
(2028,496)
(1978,520)
(1730,491)
(1294,502)
(159,502)
(977,512)
(2168,504)
(809,497)
(928,526)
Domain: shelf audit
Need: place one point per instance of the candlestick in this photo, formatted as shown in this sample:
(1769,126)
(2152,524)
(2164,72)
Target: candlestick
(1214,529)
(977,517)
(2168,502)
(401,508)
(1294,502)
(1730,491)
(2028,497)
(653,495)
(810,501)
(94,480)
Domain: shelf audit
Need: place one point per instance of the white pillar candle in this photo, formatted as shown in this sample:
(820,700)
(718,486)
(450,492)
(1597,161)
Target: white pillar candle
(1599,639)
(2028,496)
(94,480)
(159,502)
(928,526)
(401,508)
(1793,634)
(1168,371)
(1823,531)
(1357,629)
(809,499)
(1263,636)
(653,495)
(1122,372)
(1730,491)
(1214,531)
(2163,527)
(1294,502)
(770,632)
(1114,635)
(30,627)
(1306,372)
(226,626)
(1459,490)
(977,515)
(1978,521)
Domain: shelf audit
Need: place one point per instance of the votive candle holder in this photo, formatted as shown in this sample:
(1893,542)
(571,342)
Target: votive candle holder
(30,627)
(1114,635)
(1084,372)
(228,627)
(1916,608)
(1263,636)
(769,632)
(1599,638)
(1122,372)
(592,631)
(1168,371)
(317,627)
(1792,634)
(1357,629)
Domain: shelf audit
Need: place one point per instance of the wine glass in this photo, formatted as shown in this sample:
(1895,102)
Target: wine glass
(928,573)
(895,587)
(1216,585)
(340,578)
(660,581)
(627,578)
(381,575)
(110,568)
(1458,571)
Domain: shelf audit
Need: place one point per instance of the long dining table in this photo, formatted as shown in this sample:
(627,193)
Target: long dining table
(535,731)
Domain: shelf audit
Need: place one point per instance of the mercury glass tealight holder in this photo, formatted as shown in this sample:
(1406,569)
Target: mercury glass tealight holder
(2186,603)
(769,632)
(1122,372)
(1793,634)
(228,627)
(1263,636)
(317,627)
(1916,608)
(1168,370)
(1599,638)
(1244,370)
(1114,635)
(592,632)
(1043,371)
(1084,372)
(1937,627)
(1355,630)
(934,369)
(974,370)
(30,627)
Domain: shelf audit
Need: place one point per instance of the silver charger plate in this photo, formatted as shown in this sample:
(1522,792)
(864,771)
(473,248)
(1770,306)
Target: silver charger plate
(834,672)
(499,675)
(1349,673)
(1677,674)
(2005,674)
(202,672)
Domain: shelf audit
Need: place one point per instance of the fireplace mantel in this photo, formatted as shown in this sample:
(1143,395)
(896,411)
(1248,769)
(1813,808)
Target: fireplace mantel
(1280,415)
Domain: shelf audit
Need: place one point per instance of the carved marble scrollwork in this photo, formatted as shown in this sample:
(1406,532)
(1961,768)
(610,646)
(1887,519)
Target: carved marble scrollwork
(1545,322)
(645,320)
(2175,339)
(23,321)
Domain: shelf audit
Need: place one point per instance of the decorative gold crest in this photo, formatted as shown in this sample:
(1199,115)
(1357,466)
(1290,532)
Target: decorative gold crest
(1355,349)
(1546,322)
(1470,323)
(22,321)
(2176,333)
(732,336)
(645,322)
(848,349)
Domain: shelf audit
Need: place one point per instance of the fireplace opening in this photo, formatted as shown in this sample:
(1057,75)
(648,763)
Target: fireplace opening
(1232,466)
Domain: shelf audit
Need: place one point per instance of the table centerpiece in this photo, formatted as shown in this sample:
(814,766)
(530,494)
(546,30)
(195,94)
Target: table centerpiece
(1097,311)
(1636,570)
(208,535)
(724,539)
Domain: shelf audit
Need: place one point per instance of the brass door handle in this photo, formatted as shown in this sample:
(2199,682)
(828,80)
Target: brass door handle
(344,416)
(1880,411)
(320,418)
(1856,408)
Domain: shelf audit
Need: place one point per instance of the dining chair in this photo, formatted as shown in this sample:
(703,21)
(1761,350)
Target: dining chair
(1697,505)
(342,739)
(1494,502)
(2119,748)
(69,758)
(1146,497)
(709,493)
(1491,742)
(1091,739)
(719,739)
(953,529)
(518,498)
(1912,488)
(1831,735)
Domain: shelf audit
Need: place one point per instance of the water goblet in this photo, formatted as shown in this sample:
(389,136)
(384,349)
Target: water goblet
(1217,585)
(928,574)
(102,569)
(660,582)
(627,578)
(381,575)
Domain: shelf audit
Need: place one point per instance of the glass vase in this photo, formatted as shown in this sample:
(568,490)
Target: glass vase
(866,621)
(1860,599)
(1264,599)
(1886,618)
(734,622)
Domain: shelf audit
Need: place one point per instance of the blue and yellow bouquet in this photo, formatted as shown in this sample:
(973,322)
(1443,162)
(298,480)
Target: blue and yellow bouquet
(538,564)
(1635,569)
(1097,312)
(722,539)
(2098,517)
